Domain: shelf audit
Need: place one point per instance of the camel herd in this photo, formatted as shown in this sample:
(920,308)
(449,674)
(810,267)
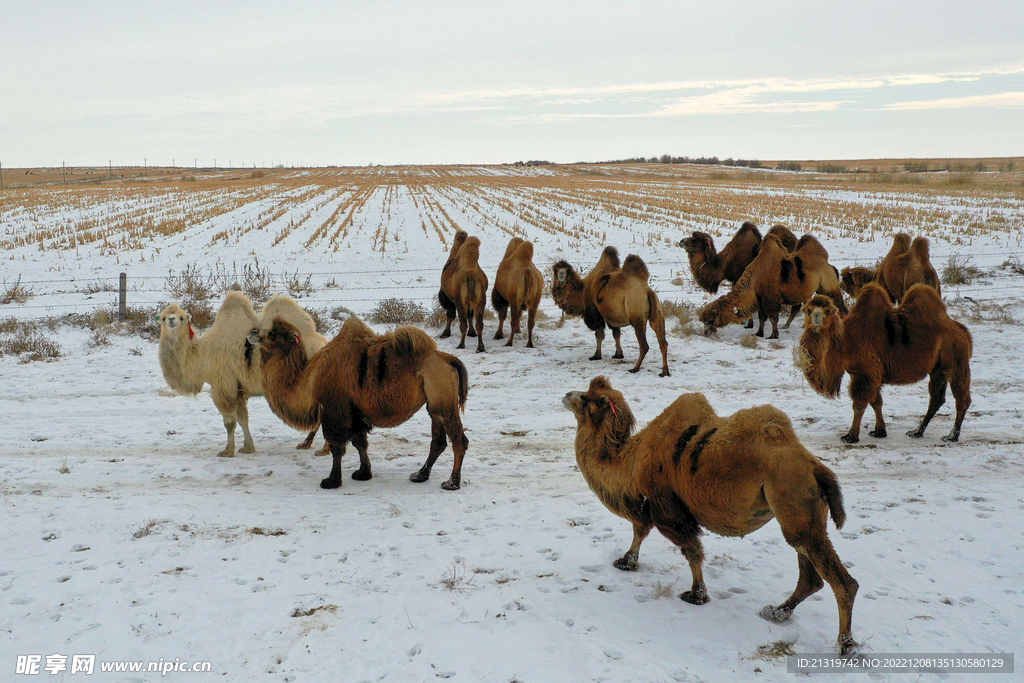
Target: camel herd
(688,469)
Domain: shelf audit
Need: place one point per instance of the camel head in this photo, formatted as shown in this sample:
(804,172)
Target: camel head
(281,340)
(699,243)
(603,410)
(818,312)
(716,315)
(173,321)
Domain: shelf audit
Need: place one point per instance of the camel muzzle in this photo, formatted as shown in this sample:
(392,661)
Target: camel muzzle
(254,338)
(571,399)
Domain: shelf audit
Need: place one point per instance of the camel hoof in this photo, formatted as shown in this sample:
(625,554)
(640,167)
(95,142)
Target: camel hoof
(759,333)
(625,563)
(664,373)
(596,356)
(509,342)
(247,449)
(529,345)
(773,335)
(419,476)
(498,336)
(634,370)
(847,645)
(849,438)
(695,597)
(951,437)
(481,349)
(304,445)
(461,346)
(453,483)
(775,614)
(226,454)
(616,356)
(878,433)
(915,433)
(326,450)
(445,334)
(329,483)
(362,475)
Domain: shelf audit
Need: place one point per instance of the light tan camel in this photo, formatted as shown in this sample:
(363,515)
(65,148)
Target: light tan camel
(464,290)
(518,287)
(690,469)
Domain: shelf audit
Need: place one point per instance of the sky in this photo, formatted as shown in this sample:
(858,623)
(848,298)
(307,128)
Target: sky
(392,82)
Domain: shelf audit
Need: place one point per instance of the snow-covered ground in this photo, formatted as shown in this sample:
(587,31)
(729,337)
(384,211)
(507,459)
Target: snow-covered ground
(127,538)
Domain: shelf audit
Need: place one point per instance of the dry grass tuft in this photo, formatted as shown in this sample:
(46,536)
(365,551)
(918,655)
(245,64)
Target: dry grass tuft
(775,651)
(23,339)
(16,293)
(260,531)
(145,528)
(329,609)
(455,578)
(297,285)
(960,271)
(398,312)
(749,341)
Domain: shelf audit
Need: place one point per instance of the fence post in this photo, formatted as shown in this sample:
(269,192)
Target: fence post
(122,297)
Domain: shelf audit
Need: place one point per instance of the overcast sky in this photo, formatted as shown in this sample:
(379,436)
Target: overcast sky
(432,82)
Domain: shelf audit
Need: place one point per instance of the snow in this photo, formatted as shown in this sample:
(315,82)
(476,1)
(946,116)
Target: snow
(151,547)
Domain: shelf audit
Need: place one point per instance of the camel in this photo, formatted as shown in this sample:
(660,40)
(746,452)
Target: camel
(905,265)
(879,344)
(775,277)
(709,268)
(690,470)
(614,296)
(852,279)
(464,290)
(362,380)
(518,286)
(221,358)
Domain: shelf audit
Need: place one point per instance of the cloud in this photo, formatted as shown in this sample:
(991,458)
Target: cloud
(1002,100)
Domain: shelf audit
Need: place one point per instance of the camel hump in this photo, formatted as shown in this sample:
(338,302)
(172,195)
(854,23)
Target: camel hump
(471,249)
(749,227)
(412,343)
(236,307)
(920,247)
(634,266)
(923,295)
(786,237)
(355,329)
(611,254)
(525,250)
(805,240)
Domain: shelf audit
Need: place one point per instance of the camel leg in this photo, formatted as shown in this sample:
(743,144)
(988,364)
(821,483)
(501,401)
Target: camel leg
(617,336)
(807,585)
(513,324)
(227,405)
(449,311)
(627,562)
(599,337)
(502,312)
(676,523)
(364,473)
(308,441)
(749,325)
(453,426)
(774,318)
(480,330)
(813,543)
(337,433)
(658,325)
(438,442)
(960,383)
(694,554)
(531,319)
(793,311)
(641,340)
(324,450)
(463,324)
(242,413)
(863,392)
(936,398)
(879,431)
(762,317)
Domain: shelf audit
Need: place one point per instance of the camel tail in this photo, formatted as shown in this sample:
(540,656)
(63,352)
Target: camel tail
(460,368)
(654,312)
(469,294)
(412,342)
(828,484)
(527,283)
(635,266)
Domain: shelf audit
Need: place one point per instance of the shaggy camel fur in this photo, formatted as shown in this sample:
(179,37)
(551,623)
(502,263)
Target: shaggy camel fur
(691,469)
(905,265)
(285,307)
(517,285)
(852,279)
(221,358)
(878,344)
(775,277)
(362,380)
(464,290)
(614,296)
(709,267)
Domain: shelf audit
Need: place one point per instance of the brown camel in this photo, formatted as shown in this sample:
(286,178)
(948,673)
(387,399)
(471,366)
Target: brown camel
(517,285)
(775,277)
(690,469)
(852,279)
(614,296)
(362,380)
(878,344)
(464,290)
(905,265)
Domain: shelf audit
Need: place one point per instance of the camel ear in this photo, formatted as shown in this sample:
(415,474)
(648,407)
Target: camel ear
(298,339)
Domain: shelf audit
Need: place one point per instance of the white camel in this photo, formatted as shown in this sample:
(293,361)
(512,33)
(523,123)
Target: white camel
(222,358)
